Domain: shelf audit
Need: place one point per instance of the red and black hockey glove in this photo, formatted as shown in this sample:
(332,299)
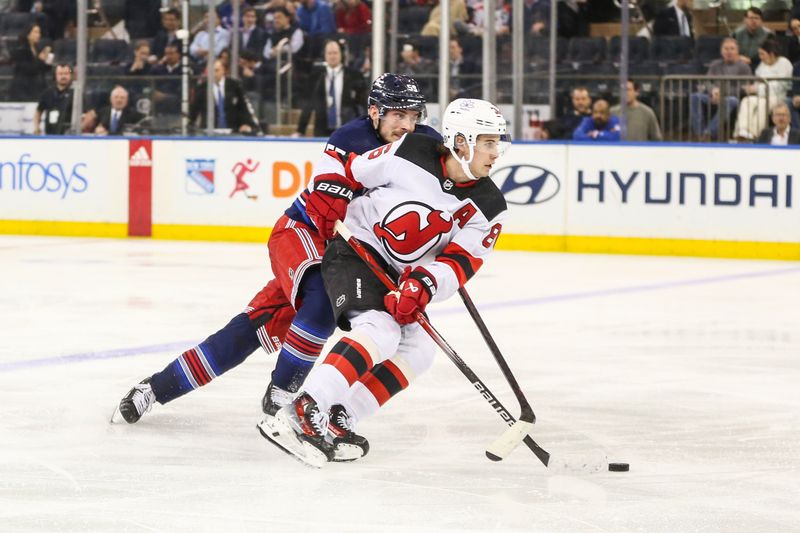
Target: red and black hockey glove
(415,290)
(328,203)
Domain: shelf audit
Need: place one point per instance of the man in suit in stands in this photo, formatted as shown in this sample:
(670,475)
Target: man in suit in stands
(251,37)
(118,116)
(463,66)
(782,133)
(336,94)
(676,19)
(231,108)
(167,35)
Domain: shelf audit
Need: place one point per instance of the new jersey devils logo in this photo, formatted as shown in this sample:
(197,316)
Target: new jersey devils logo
(411,229)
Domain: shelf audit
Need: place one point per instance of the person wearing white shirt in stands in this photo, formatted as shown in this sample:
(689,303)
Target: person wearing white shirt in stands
(782,134)
(777,72)
(199,47)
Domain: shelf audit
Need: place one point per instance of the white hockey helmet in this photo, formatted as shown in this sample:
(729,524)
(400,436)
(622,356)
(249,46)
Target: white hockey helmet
(470,117)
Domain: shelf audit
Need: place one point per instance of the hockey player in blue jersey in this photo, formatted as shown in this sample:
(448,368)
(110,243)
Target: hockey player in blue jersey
(292,313)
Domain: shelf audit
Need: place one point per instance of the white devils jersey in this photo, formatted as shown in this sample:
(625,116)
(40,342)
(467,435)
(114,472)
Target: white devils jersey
(414,215)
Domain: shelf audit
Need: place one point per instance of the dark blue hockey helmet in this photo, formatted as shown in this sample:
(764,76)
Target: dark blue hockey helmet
(395,91)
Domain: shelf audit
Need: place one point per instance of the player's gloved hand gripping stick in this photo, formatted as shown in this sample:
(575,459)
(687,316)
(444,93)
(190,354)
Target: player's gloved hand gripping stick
(518,430)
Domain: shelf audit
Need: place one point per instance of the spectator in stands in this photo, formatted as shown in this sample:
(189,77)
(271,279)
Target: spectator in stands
(283,28)
(60,15)
(704,108)
(536,17)
(142,18)
(795,99)
(781,134)
(55,104)
(199,47)
(231,110)
(251,36)
(581,109)
(140,66)
(642,121)
(250,74)
(752,111)
(502,18)
(336,94)
(315,17)
(170,24)
(675,19)
(793,46)
(601,126)
(751,34)
(573,20)
(269,11)
(462,87)
(420,68)
(353,17)
(31,63)
(118,116)
(225,12)
(5,55)
(458,19)
(169,66)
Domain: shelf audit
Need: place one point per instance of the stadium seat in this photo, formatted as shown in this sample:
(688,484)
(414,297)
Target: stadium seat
(65,51)
(706,48)
(411,19)
(685,69)
(12,24)
(428,46)
(538,49)
(638,50)
(109,51)
(586,50)
(670,49)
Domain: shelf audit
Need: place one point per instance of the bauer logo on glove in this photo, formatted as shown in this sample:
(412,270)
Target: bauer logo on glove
(335,189)
(415,290)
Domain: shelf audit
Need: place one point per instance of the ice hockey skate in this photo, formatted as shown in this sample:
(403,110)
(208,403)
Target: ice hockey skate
(138,401)
(299,429)
(274,399)
(347,444)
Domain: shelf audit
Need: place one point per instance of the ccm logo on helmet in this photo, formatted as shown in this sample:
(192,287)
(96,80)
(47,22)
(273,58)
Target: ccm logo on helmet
(412,229)
(526,184)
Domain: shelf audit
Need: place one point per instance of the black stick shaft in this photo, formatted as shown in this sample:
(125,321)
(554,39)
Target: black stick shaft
(527,411)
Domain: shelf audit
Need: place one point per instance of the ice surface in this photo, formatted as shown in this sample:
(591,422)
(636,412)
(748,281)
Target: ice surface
(688,369)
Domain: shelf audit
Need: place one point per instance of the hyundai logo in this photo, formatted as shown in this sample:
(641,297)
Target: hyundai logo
(526,184)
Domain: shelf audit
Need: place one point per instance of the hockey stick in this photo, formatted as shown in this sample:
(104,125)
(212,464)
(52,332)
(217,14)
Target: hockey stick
(518,431)
(526,414)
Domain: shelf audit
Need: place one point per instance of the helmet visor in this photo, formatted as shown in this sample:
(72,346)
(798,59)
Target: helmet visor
(493,144)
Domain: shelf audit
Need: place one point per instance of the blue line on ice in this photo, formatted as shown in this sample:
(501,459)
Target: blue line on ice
(540,300)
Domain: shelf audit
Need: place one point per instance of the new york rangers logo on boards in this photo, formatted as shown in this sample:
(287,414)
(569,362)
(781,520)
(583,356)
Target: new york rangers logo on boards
(411,229)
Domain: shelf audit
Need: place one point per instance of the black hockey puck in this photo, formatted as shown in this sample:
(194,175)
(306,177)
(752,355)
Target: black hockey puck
(618,467)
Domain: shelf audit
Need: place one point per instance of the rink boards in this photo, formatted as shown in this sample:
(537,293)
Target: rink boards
(726,201)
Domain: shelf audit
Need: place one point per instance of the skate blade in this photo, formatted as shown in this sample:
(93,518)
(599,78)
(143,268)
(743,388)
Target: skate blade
(283,437)
(116,416)
(345,453)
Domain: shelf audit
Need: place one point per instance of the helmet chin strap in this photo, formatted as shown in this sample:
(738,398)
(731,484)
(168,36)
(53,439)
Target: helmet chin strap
(465,162)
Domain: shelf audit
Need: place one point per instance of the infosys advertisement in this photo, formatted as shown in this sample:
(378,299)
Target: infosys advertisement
(64,180)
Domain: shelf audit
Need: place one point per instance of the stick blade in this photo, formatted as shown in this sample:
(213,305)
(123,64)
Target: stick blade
(510,439)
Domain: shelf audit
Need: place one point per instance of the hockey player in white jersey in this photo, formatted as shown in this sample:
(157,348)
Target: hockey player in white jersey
(429,214)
